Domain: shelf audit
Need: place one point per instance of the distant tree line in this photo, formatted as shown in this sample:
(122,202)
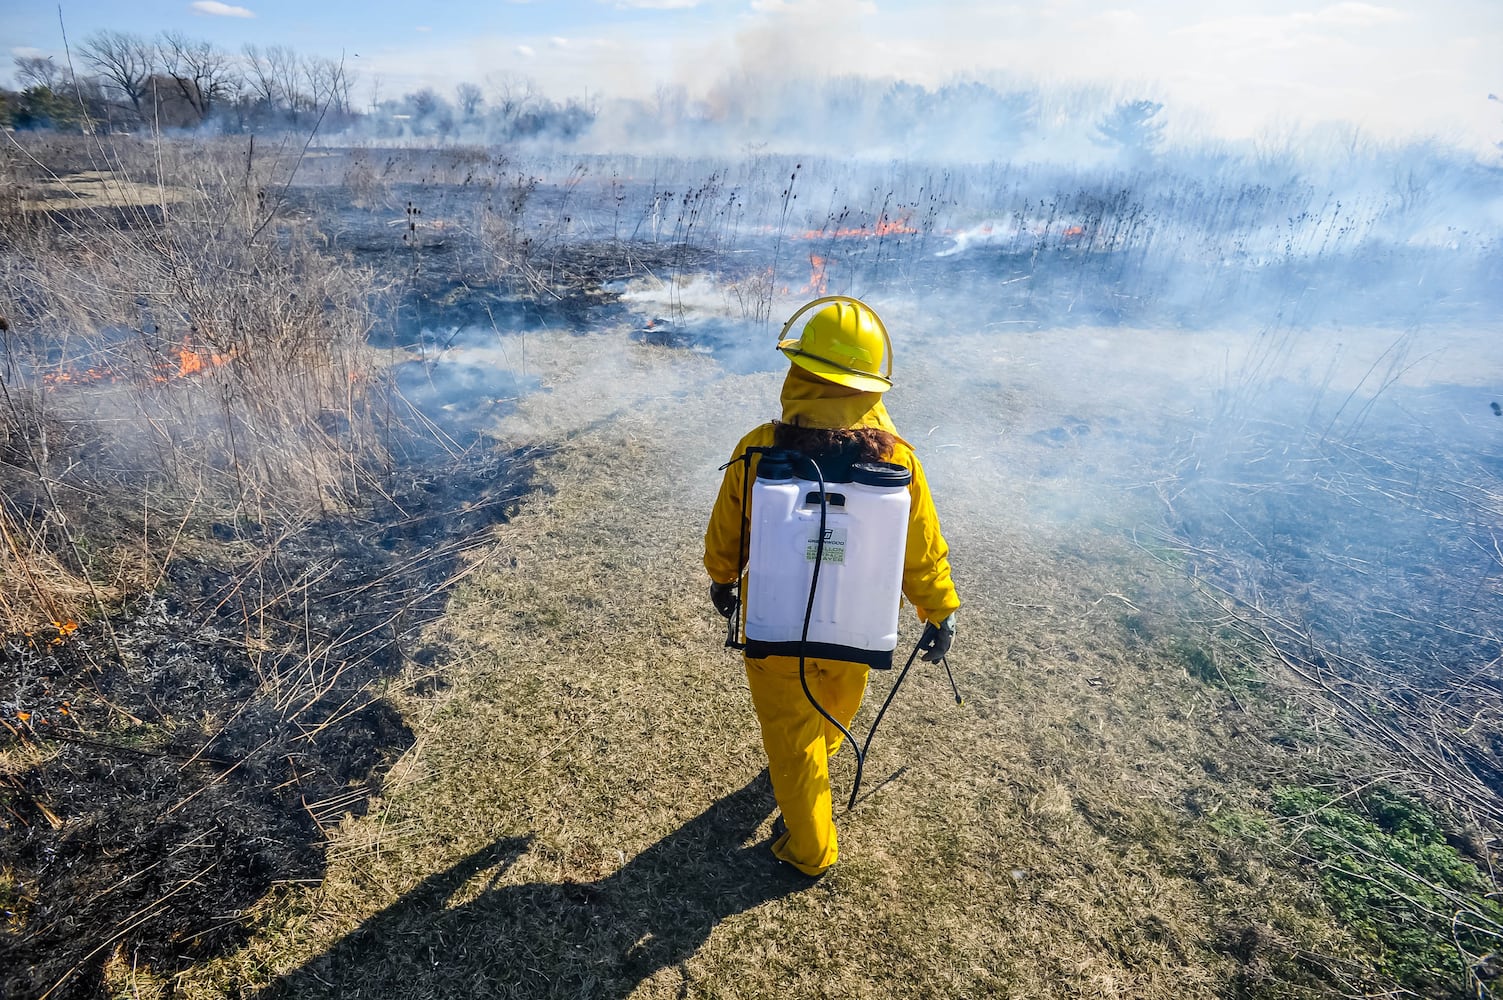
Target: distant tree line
(124,82)
(964,118)
(506,108)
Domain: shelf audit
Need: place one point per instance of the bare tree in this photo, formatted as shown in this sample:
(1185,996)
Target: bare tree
(431,111)
(424,102)
(39,71)
(203,74)
(320,76)
(1130,127)
(511,96)
(328,83)
(260,77)
(125,61)
(286,70)
(344,87)
(470,99)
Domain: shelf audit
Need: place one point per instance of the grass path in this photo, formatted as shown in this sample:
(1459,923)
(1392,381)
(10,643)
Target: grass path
(584,814)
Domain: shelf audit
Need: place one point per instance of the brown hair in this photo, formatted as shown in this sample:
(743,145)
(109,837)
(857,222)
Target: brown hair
(840,447)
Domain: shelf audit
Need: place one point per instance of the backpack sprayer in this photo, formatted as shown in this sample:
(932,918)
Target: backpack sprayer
(804,533)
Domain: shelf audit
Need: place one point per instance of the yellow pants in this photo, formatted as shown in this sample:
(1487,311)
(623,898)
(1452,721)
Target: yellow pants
(799,742)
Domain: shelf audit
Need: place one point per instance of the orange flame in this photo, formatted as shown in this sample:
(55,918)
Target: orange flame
(895,227)
(884,227)
(819,281)
(191,362)
(71,376)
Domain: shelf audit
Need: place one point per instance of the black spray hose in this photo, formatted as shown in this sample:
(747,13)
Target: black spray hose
(860,751)
(803,641)
(743,555)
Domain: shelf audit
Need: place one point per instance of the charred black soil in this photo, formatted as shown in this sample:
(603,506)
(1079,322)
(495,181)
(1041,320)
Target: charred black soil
(189,754)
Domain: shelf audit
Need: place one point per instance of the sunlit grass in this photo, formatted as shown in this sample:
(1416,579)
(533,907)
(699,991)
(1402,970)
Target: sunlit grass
(1054,837)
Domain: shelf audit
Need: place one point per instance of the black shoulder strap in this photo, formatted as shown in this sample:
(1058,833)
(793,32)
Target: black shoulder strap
(734,624)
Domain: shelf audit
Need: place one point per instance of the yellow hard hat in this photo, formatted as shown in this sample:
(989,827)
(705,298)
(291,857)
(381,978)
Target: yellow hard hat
(844,342)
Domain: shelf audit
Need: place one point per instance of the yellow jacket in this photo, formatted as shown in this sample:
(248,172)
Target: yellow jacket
(813,402)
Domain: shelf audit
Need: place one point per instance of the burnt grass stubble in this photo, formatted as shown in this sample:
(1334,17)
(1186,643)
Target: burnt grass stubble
(156,837)
(199,747)
(1362,547)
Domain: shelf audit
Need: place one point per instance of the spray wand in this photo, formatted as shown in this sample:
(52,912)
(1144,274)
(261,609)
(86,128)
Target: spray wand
(921,645)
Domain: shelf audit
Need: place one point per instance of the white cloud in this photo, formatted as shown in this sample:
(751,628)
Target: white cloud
(423,28)
(813,8)
(217,9)
(1120,20)
(1242,30)
(559,42)
(1357,15)
(525,51)
(654,4)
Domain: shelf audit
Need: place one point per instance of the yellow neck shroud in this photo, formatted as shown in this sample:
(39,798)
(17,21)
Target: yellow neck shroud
(810,401)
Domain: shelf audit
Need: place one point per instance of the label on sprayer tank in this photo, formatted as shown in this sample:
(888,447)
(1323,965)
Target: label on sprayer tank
(834,546)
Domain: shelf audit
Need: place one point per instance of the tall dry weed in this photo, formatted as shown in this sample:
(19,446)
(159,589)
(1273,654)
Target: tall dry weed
(177,340)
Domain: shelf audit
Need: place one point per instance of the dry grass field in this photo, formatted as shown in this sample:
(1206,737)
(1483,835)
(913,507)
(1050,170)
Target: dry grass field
(583,811)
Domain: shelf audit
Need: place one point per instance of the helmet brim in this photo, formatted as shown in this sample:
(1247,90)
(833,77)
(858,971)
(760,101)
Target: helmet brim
(833,373)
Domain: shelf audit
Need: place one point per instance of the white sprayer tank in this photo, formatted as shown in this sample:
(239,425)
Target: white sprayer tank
(855,614)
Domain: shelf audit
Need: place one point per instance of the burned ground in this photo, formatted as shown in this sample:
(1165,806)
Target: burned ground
(194,750)
(1360,540)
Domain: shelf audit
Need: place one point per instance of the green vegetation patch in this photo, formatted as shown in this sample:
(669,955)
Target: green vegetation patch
(1387,871)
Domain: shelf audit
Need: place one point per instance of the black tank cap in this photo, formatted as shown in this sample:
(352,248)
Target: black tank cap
(880,474)
(775,466)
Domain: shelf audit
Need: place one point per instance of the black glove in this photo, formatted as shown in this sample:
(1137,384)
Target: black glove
(935,642)
(725,598)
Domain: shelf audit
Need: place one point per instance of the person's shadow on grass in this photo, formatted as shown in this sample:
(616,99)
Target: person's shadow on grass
(575,939)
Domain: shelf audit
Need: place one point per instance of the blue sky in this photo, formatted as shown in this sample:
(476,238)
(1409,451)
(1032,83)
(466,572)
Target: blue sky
(1241,69)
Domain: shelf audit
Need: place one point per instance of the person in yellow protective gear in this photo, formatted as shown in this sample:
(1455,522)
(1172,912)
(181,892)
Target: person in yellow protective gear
(831,410)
